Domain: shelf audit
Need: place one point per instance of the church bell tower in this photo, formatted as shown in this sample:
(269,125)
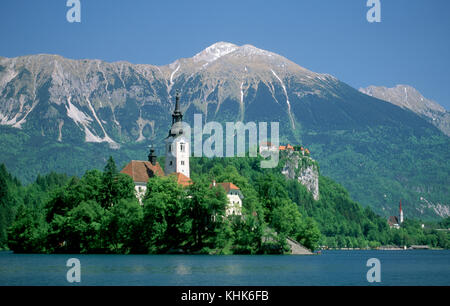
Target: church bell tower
(177,144)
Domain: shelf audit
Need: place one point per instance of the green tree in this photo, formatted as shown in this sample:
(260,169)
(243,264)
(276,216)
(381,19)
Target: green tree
(206,210)
(248,234)
(166,224)
(9,188)
(108,187)
(28,232)
(79,231)
(286,218)
(123,227)
(114,185)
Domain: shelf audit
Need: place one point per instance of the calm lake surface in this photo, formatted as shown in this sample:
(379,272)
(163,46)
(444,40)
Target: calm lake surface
(414,267)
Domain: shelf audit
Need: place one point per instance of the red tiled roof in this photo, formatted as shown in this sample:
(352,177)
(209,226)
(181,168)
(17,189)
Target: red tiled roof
(393,220)
(141,171)
(288,147)
(182,179)
(227,186)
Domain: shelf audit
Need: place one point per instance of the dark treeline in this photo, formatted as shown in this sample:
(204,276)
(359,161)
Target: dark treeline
(99,213)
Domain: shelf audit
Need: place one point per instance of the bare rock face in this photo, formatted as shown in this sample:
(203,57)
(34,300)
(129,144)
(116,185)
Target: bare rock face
(304,169)
(120,102)
(309,177)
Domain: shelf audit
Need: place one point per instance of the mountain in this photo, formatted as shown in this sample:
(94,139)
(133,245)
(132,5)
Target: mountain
(68,116)
(410,98)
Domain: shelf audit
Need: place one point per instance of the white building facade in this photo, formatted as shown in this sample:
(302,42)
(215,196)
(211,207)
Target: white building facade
(177,145)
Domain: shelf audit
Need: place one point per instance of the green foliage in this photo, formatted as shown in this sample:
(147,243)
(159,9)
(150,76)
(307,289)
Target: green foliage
(166,222)
(247,235)
(206,211)
(100,213)
(123,227)
(28,232)
(115,185)
(380,165)
(79,230)
(9,200)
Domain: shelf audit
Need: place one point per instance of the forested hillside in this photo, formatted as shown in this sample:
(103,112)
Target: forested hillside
(98,213)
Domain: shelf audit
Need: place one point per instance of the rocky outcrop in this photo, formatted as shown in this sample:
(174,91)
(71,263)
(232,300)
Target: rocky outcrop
(304,169)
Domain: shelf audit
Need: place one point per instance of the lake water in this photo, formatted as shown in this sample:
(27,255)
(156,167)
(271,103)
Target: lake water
(411,267)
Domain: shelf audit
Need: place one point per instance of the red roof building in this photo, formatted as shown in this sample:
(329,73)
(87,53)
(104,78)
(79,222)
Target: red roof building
(287,147)
(234,196)
(140,171)
(182,179)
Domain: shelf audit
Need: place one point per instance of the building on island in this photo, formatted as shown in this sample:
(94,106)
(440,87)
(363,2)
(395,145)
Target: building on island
(234,196)
(177,145)
(177,149)
(140,171)
(177,159)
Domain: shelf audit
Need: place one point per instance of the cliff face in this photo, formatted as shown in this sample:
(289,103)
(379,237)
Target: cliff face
(304,169)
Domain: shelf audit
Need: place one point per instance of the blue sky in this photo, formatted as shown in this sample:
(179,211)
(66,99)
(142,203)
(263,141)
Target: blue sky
(410,45)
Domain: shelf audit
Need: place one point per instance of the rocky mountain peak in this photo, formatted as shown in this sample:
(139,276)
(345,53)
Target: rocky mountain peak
(215,51)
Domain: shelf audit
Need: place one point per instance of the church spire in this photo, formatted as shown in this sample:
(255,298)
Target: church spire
(177,116)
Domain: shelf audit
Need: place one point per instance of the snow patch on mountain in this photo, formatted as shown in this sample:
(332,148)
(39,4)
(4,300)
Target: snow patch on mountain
(77,115)
(106,137)
(249,50)
(287,98)
(215,51)
(4,120)
(172,74)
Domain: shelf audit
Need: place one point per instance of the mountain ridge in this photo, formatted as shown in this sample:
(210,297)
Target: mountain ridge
(408,97)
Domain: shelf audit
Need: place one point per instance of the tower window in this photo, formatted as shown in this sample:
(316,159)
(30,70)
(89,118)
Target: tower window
(170,163)
(182,147)
(182,162)
(170,148)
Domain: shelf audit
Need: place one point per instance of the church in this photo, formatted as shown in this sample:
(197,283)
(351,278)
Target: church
(177,153)
(176,164)
(394,221)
